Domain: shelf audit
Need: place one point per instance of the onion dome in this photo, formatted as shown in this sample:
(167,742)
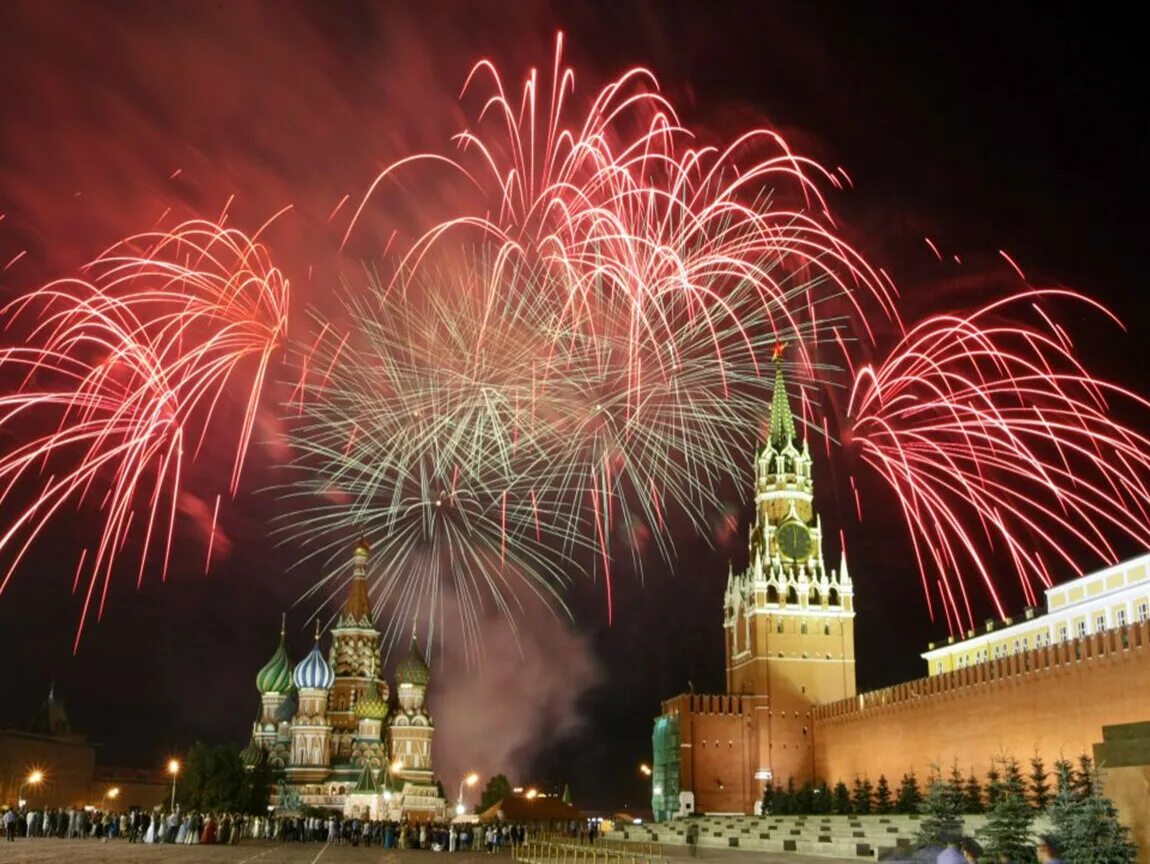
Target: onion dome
(371,707)
(314,672)
(275,676)
(363,548)
(252,755)
(413,670)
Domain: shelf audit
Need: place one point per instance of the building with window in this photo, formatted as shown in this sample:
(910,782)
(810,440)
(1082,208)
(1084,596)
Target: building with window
(328,732)
(1090,604)
(1045,683)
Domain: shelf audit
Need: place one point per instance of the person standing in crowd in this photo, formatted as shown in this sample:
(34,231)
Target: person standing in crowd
(971,850)
(1048,851)
(951,854)
(10,825)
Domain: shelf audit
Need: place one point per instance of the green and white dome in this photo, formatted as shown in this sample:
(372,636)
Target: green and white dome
(275,676)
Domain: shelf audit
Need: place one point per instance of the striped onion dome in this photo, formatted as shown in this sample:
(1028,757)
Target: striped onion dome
(252,755)
(275,676)
(313,671)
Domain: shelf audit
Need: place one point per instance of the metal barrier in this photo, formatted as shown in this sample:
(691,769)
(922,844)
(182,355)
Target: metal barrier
(550,852)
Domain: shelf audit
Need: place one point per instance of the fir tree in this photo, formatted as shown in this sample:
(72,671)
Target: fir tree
(882,798)
(993,786)
(1009,819)
(860,798)
(1086,826)
(1063,777)
(1084,776)
(822,799)
(972,795)
(805,799)
(784,802)
(909,797)
(1039,783)
(955,785)
(943,811)
(841,799)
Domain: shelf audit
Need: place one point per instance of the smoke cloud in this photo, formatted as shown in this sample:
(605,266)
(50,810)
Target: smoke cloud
(524,698)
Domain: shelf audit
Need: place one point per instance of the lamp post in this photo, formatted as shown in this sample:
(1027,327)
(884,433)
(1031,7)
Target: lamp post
(35,778)
(470,780)
(174,770)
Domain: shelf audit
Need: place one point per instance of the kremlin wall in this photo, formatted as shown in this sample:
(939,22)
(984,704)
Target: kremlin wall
(1045,685)
(1053,700)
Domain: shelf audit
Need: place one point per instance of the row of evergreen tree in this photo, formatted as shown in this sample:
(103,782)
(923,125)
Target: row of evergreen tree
(1084,822)
(974,795)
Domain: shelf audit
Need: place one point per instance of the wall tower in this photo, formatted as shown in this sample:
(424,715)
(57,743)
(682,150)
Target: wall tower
(788,621)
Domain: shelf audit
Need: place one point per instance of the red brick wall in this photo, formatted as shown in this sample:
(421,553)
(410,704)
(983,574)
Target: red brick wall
(1053,700)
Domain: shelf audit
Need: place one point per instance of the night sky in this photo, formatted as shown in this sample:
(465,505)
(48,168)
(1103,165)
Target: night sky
(985,127)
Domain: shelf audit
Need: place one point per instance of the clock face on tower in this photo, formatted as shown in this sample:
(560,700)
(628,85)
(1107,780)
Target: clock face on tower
(794,539)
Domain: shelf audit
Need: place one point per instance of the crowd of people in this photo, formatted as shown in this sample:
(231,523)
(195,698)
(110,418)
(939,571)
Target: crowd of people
(186,828)
(967,850)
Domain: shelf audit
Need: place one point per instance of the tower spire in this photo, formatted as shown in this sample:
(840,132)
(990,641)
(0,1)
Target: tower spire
(782,421)
(358,606)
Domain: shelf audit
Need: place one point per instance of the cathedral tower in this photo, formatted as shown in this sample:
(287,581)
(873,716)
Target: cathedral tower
(354,658)
(411,727)
(275,684)
(311,729)
(788,620)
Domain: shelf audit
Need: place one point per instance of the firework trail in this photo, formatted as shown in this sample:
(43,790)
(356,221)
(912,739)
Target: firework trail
(122,372)
(1002,448)
(612,288)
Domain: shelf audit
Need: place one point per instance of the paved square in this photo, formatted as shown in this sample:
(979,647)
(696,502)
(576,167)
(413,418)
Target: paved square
(50,851)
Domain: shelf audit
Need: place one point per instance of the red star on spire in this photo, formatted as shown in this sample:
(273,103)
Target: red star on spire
(777,353)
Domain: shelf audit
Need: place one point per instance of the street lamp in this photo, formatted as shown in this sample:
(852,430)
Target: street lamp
(645,769)
(470,780)
(531,793)
(174,770)
(112,793)
(35,778)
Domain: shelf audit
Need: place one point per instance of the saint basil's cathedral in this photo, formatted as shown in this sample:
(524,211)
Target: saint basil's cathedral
(326,728)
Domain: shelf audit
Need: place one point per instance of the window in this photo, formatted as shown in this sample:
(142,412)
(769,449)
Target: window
(826,629)
(1025,644)
(1100,623)
(1017,646)
(1081,629)
(1121,618)
(1063,633)
(779,627)
(1143,612)
(803,628)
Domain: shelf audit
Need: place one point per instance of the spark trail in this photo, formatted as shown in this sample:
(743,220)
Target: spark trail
(117,383)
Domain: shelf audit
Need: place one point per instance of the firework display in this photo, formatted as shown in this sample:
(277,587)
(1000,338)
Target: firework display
(595,368)
(121,373)
(558,364)
(995,438)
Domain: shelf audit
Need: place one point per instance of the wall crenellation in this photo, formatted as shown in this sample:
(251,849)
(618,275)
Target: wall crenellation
(1110,646)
